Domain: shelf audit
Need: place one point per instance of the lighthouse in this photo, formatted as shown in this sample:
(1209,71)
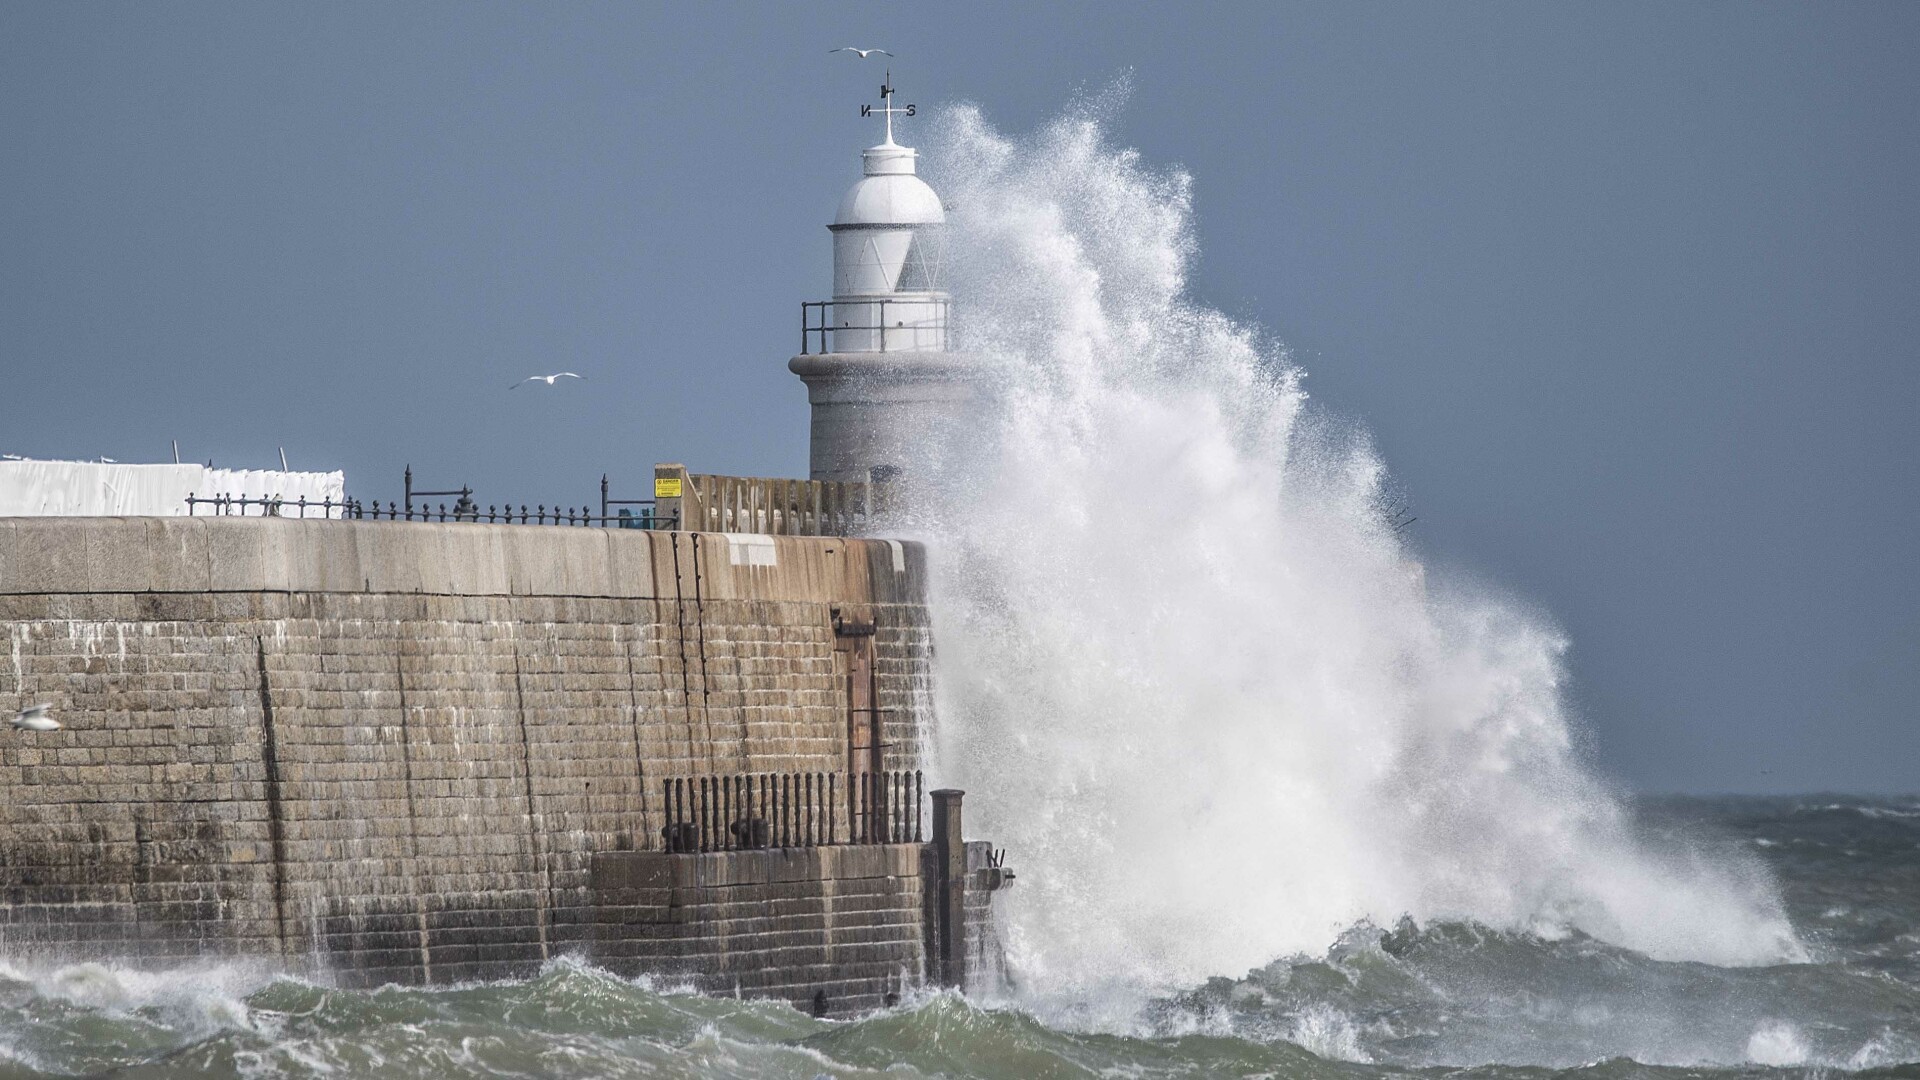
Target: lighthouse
(887,393)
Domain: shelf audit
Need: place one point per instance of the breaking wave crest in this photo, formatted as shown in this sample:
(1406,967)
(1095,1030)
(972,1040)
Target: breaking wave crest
(1201,687)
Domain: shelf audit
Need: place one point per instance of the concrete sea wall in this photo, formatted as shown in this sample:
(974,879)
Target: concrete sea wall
(394,751)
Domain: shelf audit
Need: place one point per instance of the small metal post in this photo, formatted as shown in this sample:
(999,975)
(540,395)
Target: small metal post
(672,813)
(863,826)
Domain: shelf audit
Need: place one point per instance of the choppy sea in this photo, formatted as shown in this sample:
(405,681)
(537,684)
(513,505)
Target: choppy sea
(1440,1000)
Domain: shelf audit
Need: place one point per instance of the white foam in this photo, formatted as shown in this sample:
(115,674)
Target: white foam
(1193,680)
(1329,1033)
(1776,1042)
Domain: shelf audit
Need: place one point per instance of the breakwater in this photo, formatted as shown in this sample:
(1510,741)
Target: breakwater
(430,752)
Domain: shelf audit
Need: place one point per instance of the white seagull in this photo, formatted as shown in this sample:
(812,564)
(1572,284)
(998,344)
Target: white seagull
(35,718)
(864,53)
(548,379)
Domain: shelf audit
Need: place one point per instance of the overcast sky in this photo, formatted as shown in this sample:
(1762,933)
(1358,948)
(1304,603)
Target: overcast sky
(1626,293)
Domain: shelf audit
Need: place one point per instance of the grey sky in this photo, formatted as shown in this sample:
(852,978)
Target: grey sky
(1627,293)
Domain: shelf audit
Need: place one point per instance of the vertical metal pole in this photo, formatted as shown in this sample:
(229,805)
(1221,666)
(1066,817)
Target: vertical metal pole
(677,811)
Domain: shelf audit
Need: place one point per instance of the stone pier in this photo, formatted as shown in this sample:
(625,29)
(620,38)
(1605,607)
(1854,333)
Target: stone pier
(396,751)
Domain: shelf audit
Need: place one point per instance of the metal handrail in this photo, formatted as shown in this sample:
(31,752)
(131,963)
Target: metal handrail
(541,514)
(817,330)
(269,506)
(465,510)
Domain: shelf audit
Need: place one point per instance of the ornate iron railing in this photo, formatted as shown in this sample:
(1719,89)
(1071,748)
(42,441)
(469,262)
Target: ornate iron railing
(613,513)
(268,506)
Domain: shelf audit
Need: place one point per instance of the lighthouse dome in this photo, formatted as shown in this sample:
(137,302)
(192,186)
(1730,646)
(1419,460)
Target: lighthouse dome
(890,193)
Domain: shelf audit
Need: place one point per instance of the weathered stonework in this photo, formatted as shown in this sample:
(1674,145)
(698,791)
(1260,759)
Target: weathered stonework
(429,752)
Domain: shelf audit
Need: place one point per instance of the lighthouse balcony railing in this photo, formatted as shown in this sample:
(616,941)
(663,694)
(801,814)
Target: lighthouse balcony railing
(874,325)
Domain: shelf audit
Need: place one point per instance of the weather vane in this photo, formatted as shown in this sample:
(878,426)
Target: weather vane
(886,90)
(886,105)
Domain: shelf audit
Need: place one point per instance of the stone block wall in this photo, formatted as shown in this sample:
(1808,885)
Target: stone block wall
(395,750)
(837,928)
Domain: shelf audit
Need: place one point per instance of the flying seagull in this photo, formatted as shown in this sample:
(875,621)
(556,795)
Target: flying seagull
(35,718)
(548,379)
(864,53)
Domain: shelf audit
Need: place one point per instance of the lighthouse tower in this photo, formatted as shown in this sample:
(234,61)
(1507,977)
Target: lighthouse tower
(887,395)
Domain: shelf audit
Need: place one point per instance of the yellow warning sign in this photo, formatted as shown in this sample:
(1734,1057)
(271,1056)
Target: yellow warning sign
(666,487)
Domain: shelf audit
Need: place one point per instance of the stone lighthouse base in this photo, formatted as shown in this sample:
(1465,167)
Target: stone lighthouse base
(886,416)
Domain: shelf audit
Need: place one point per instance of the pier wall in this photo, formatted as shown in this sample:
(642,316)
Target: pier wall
(393,750)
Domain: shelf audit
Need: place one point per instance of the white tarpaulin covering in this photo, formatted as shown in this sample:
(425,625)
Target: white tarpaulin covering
(104,489)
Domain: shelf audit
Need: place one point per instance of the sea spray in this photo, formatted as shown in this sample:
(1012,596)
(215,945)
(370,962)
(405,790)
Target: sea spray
(1192,676)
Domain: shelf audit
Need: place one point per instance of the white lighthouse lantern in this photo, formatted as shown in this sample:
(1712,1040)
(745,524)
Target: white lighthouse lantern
(887,392)
(887,250)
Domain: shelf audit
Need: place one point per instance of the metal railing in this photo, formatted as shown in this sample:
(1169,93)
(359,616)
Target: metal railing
(787,810)
(614,513)
(510,515)
(269,506)
(903,325)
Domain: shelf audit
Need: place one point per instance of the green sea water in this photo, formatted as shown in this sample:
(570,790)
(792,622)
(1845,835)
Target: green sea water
(1442,1000)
